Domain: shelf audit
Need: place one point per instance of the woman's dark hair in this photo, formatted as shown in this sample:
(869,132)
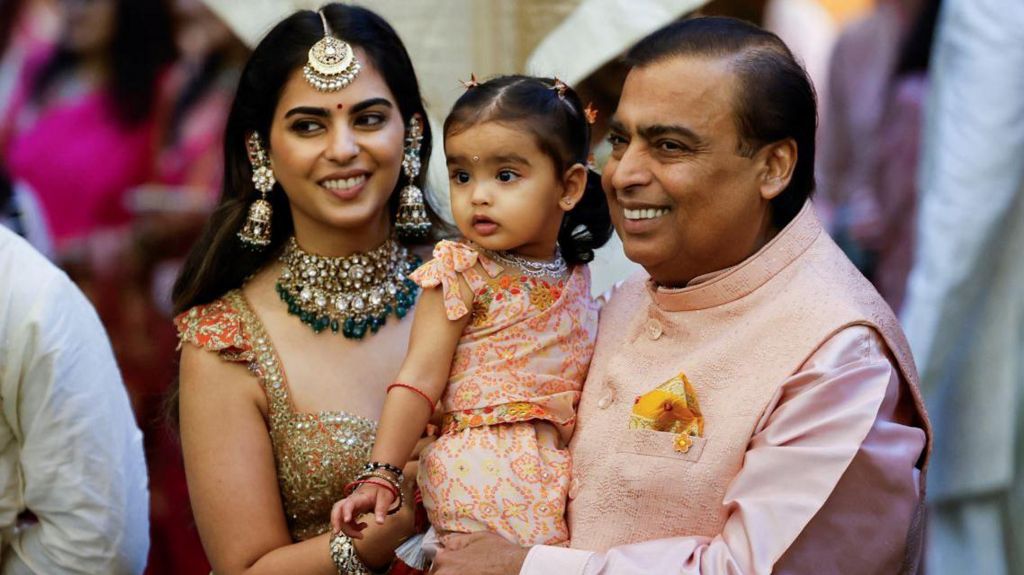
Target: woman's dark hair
(142,47)
(218,262)
(774,99)
(558,123)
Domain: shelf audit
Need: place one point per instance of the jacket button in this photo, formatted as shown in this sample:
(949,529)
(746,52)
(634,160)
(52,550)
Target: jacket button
(654,329)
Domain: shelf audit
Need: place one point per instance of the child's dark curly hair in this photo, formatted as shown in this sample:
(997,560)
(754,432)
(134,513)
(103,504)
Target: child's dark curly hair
(554,114)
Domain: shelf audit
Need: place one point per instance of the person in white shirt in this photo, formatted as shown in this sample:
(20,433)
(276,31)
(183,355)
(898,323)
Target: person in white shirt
(964,313)
(73,492)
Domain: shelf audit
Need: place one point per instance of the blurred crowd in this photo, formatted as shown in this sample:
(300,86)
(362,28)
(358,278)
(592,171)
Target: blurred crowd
(112,114)
(111,119)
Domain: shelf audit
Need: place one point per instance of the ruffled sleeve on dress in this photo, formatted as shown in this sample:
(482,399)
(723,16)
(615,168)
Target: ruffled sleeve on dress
(216,327)
(450,260)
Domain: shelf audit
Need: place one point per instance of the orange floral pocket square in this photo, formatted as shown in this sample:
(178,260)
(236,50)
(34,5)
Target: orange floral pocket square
(671,407)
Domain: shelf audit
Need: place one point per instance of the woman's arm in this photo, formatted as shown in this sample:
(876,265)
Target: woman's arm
(232,478)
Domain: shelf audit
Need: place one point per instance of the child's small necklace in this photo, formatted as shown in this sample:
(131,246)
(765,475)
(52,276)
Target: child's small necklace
(556,267)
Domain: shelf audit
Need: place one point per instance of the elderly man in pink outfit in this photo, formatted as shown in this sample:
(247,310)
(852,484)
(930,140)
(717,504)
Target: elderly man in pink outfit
(752,406)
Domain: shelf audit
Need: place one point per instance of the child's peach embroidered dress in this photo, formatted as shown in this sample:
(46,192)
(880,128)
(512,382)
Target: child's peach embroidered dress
(501,463)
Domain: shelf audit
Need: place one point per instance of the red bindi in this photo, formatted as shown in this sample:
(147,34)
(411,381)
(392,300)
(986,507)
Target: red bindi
(340,106)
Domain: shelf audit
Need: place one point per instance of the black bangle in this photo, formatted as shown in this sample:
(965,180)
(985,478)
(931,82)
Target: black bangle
(372,466)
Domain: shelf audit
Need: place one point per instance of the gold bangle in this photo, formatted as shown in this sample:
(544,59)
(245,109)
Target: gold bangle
(345,558)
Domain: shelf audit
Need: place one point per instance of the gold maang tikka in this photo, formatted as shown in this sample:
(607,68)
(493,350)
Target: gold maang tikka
(332,64)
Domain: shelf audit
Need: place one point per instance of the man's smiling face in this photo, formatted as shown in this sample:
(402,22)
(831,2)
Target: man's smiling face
(683,198)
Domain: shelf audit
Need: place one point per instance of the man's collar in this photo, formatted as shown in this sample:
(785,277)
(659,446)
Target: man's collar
(729,284)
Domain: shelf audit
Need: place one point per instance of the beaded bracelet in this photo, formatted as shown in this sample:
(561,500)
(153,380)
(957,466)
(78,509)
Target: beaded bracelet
(430,404)
(372,466)
(381,475)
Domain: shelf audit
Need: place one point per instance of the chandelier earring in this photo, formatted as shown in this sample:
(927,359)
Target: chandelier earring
(255,233)
(411,221)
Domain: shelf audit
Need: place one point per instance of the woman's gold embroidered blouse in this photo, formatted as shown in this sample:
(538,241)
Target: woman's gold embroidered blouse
(316,454)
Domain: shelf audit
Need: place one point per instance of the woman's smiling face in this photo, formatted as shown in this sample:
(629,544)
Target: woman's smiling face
(338,155)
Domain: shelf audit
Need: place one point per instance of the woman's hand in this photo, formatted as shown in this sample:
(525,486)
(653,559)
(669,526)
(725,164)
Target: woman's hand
(370,496)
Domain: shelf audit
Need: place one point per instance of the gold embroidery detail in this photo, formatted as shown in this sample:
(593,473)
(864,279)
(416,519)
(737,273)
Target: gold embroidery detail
(541,294)
(456,421)
(316,454)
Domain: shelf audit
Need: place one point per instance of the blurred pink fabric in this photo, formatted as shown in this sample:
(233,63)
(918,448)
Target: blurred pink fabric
(815,437)
(77,157)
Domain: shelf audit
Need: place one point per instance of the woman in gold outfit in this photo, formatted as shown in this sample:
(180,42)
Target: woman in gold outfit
(292,303)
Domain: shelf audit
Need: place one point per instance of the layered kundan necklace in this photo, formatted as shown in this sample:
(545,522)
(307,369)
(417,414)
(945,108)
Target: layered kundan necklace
(348,294)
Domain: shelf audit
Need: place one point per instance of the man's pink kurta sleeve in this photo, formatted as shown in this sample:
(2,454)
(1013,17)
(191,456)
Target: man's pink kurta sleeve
(828,484)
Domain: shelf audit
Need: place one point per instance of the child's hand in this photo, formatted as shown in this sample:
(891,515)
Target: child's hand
(369,496)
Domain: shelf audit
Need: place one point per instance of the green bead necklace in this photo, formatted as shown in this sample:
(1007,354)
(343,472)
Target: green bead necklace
(352,294)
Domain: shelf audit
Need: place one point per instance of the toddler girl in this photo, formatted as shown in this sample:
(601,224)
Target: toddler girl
(506,341)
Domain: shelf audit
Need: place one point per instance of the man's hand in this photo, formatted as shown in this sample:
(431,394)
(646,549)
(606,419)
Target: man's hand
(478,553)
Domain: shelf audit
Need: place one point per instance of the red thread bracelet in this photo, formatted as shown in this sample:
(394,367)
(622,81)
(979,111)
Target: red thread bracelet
(417,391)
(355,485)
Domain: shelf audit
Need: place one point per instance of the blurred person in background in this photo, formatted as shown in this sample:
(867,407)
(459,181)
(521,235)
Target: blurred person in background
(170,211)
(72,477)
(283,372)
(10,51)
(964,313)
(25,25)
(80,128)
(871,136)
(200,88)
(81,131)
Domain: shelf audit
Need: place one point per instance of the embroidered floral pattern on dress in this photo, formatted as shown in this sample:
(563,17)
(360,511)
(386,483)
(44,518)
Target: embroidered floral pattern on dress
(316,454)
(541,294)
(215,327)
(501,464)
(492,415)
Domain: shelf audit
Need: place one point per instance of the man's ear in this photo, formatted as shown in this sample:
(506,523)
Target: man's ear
(574,183)
(778,162)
